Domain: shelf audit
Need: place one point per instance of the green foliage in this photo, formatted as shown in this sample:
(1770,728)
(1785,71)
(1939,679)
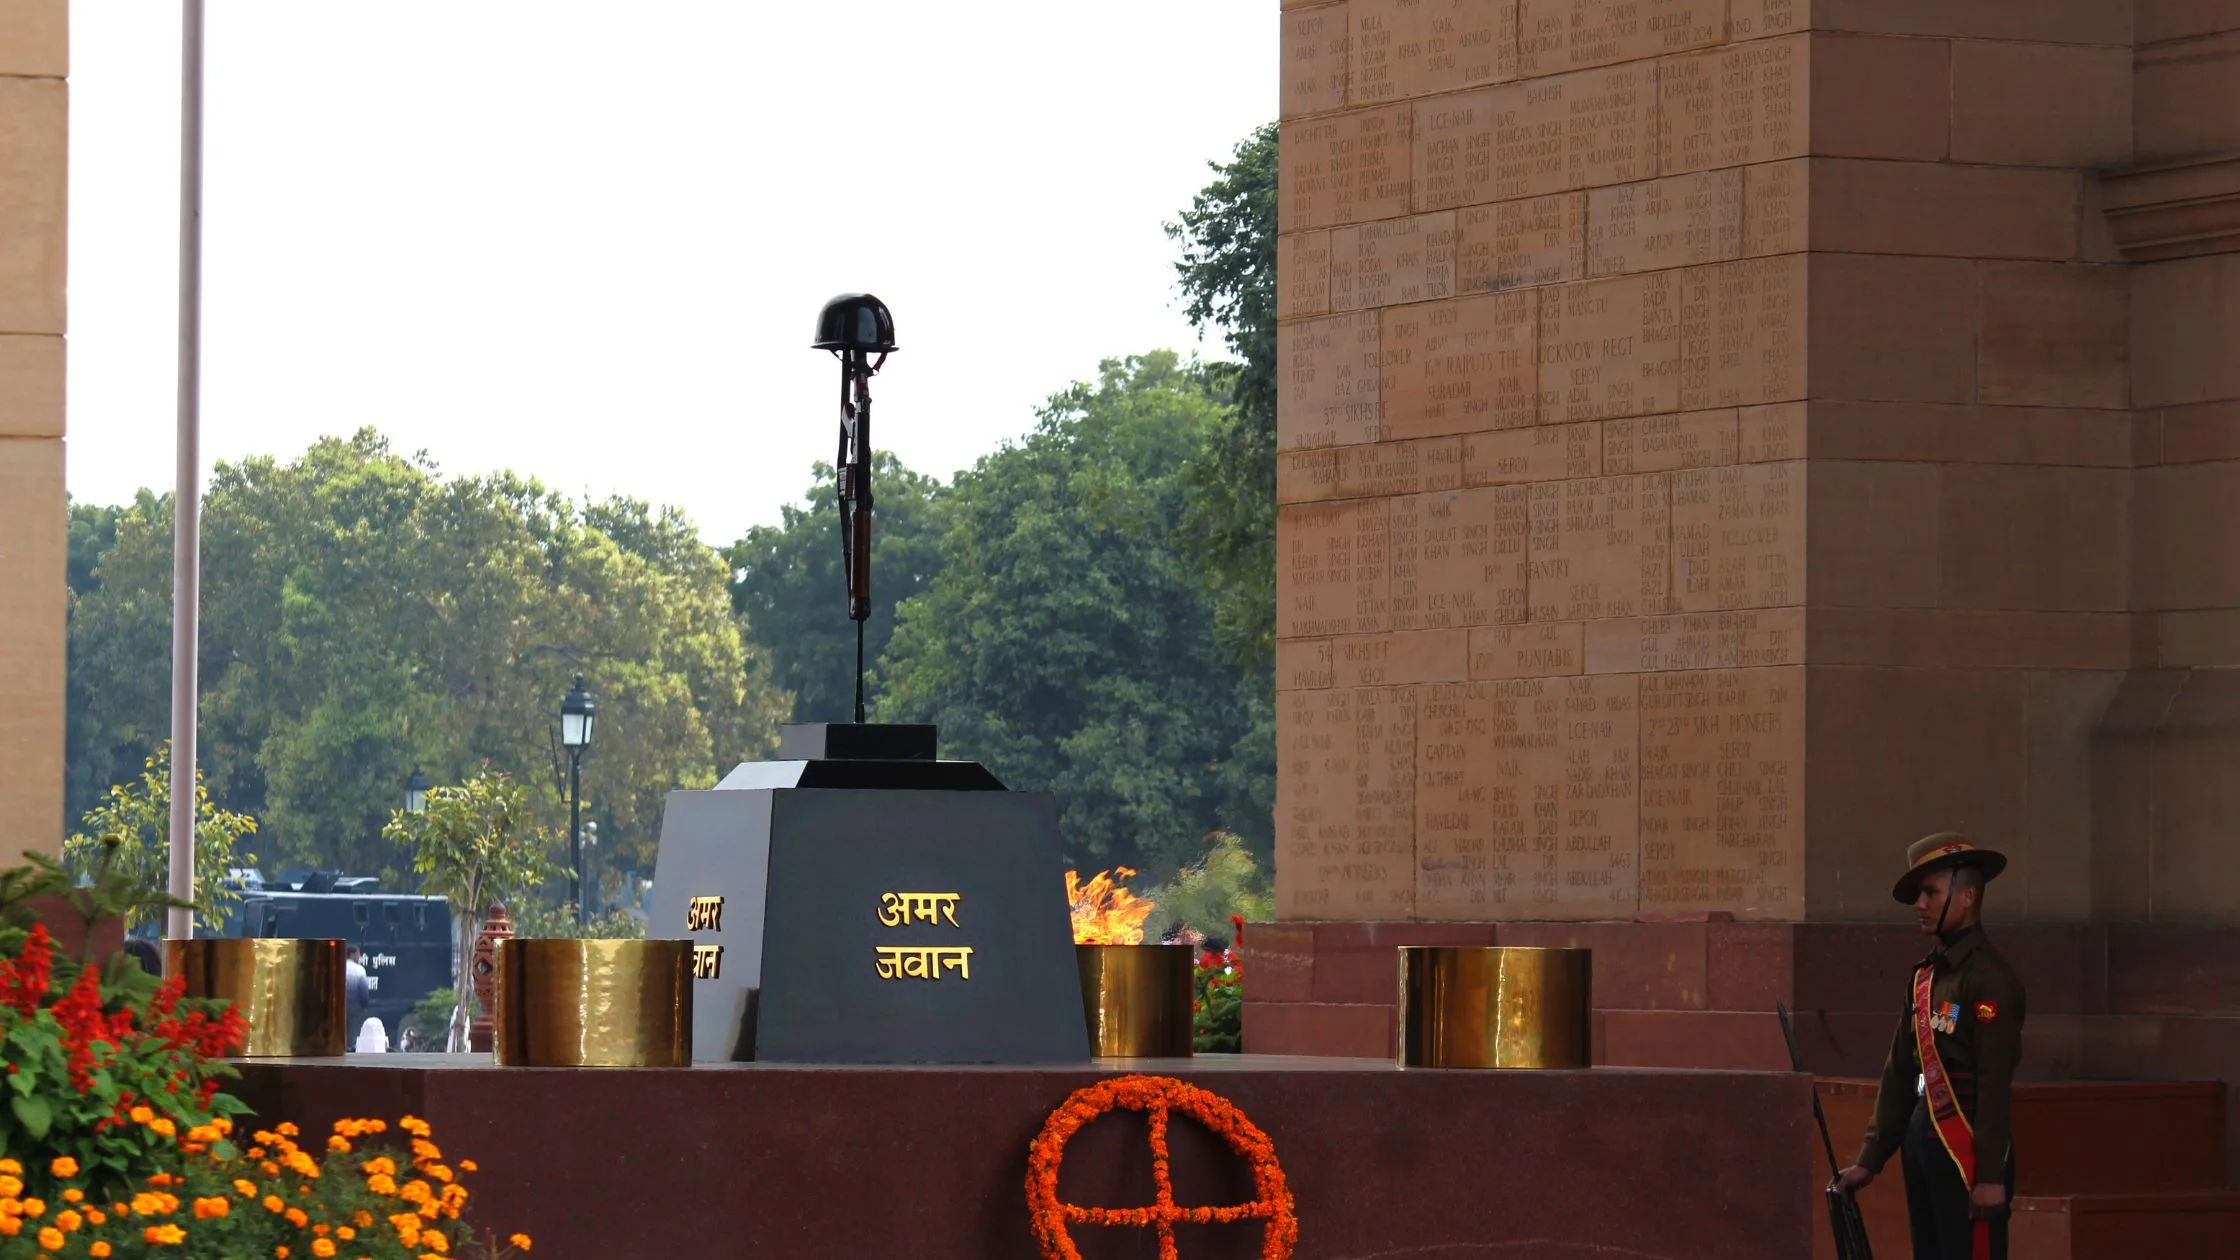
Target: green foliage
(363,615)
(1210,893)
(1217,1003)
(1228,274)
(537,920)
(86,1042)
(117,712)
(786,580)
(1063,642)
(430,1019)
(473,844)
(127,835)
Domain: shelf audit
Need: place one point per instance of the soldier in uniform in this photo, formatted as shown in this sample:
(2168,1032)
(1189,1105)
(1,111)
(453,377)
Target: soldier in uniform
(1948,1086)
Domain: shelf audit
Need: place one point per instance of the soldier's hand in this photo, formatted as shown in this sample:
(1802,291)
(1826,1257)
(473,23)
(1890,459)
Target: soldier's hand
(1988,1199)
(1854,1179)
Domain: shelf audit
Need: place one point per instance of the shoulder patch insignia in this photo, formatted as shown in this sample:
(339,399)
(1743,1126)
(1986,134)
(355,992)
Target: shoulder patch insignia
(1986,1012)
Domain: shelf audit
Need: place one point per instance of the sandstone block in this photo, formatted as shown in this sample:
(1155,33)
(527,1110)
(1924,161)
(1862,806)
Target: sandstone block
(2187,516)
(1737,105)
(1462,366)
(1540,240)
(1458,559)
(1558,35)
(2065,105)
(2040,539)
(1881,98)
(1303,275)
(1383,469)
(1936,750)
(34,199)
(1345,168)
(1738,537)
(1609,348)
(1743,332)
(2186,98)
(31,384)
(1552,452)
(2185,321)
(1314,58)
(1532,651)
(1945,210)
(2051,21)
(1676,222)
(1873,534)
(1410,48)
(1327,393)
(1419,656)
(1334,569)
(35,38)
(1776,209)
(1345,803)
(2055,334)
(1601,547)
(1893,329)
(1392,261)
(1722,792)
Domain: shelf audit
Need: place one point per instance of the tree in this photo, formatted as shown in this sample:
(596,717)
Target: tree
(475,845)
(1064,643)
(363,614)
(787,582)
(1228,274)
(128,834)
(106,732)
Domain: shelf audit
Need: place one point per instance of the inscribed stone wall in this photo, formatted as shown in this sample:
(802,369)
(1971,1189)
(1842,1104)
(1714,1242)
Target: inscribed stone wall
(33,185)
(1542,528)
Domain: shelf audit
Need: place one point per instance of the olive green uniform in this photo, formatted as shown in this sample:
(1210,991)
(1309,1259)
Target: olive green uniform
(1978,1007)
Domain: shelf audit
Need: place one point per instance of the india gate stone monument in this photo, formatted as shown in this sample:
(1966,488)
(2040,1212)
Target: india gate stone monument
(1723,440)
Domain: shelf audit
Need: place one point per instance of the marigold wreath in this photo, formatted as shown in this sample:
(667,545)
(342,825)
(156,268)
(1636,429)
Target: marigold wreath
(1158,1097)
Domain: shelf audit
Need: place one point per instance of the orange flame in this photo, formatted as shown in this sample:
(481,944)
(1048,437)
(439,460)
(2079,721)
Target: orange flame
(1104,913)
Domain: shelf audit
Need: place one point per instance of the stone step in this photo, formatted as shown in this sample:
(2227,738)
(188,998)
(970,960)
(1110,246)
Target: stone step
(2204,1225)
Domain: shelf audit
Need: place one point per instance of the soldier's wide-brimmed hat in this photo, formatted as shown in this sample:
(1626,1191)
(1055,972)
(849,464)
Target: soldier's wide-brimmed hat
(1943,851)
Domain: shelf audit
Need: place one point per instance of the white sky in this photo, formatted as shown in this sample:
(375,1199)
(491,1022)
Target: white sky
(589,241)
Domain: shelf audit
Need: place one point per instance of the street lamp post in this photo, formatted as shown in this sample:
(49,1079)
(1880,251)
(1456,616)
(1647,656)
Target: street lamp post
(576,715)
(416,792)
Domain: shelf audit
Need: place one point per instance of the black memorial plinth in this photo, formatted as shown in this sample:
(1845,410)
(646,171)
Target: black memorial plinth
(881,908)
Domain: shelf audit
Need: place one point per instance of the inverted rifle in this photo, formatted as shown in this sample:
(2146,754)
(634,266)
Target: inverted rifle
(1843,1206)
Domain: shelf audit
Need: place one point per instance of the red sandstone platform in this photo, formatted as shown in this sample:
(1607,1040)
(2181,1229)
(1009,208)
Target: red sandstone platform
(783,1162)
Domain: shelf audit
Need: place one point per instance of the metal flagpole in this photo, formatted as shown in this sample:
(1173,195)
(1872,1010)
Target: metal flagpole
(186,499)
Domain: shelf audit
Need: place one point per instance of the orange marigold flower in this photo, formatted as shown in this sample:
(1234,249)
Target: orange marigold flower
(280,1253)
(159,1179)
(345,1233)
(163,1125)
(34,1207)
(270,1169)
(10,1187)
(68,1221)
(164,1235)
(468,1165)
(95,1216)
(416,1191)
(320,1229)
(284,1129)
(338,1144)
(434,1241)
(10,1226)
(437,1171)
(206,1209)
(73,1195)
(273,1203)
(204,1133)
(223,1124)
(361,1218)
(244,1187)
(141,1114)
(63,1166)
(98,1250)
(520,1240)
(303,1164)
(383,1164)
(382,1183)
(413,1125)
(298,1218)
(11,1167)
(51,1238)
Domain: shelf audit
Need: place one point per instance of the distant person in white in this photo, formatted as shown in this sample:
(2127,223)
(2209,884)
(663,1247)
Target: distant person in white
(357,995)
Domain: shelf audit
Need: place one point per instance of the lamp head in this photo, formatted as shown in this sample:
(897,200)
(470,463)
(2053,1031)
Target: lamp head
(576,715)
(855,321)
(416,792)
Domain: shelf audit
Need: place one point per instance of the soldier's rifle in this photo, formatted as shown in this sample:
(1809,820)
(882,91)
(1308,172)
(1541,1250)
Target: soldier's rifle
(1843,1206)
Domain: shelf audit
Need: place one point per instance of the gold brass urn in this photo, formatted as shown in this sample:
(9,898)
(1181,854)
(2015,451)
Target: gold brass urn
(571,1003)
(1494,1007)
(1137,1000)
(290,991)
